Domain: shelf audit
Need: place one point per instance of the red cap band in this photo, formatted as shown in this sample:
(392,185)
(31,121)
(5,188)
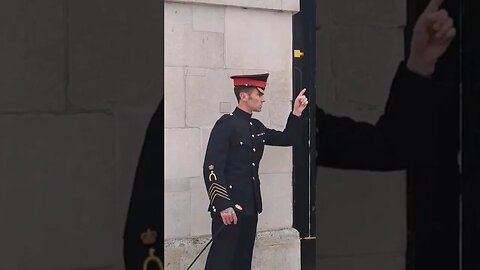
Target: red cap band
(249,82)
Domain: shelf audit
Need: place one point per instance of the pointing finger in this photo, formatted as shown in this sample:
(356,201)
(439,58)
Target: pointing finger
(434,5)
(302,92)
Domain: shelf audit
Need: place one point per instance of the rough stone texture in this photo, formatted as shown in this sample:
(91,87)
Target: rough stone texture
(114,55)
(276,159)
(200,217)
(185,46)
(175,103)
(272,30)
(369,12)
(277,200)
(57,189)
(208,18)
(279,249)
(360,212)
(202,109)
(182,153)
(177,208)
(365,62)
(279,112)
(32,69)
(361,262)
(287,5)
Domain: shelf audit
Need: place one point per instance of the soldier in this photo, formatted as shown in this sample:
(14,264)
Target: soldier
(231,164)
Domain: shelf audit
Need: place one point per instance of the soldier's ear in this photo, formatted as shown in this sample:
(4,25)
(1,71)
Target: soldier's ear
(243,96)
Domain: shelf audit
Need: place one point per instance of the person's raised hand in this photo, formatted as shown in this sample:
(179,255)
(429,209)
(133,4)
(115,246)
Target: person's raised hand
(432,34)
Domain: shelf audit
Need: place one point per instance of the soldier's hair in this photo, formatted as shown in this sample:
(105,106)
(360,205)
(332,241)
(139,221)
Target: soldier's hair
(239,89)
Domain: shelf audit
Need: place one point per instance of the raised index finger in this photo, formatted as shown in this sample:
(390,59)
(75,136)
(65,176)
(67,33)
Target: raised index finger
(434,5)
(302,92)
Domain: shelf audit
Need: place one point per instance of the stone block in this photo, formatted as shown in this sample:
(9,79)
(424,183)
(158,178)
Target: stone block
(57,191)
(32,70)
(279,85)
(278,249)
(174,97)
(291,5)
(277,200)
(357,81)
(186,47)
(180,253)
(276,159)
(200,217)
(204,94)
(177,208)
(208,18)
(370,261)
(114,55)
(360,212)
(182,153)
(205,136)
(279,112)
(284,5)
(273,30)
(370,12)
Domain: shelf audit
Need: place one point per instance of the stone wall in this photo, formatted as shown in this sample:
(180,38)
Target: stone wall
(79,82)
(205,43)
(361,216)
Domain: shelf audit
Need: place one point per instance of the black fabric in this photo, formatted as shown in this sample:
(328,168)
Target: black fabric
(232,159)
(232,249)
(146,206)
(406,134)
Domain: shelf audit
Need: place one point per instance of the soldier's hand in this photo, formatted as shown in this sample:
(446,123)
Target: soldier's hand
(229,216)
(432,34)
(300,104)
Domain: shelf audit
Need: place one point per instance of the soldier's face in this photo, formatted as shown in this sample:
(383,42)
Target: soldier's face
(255,101)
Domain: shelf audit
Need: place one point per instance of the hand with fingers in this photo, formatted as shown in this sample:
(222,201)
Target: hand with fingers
(300,104)
(229,216)
(432,34)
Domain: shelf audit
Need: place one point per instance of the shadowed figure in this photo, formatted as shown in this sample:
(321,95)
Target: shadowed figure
(144,223)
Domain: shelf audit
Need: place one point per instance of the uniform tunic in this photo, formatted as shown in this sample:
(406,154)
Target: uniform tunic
(233,156)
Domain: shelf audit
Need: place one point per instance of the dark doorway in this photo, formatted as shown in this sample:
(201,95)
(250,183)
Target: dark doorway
(304,155)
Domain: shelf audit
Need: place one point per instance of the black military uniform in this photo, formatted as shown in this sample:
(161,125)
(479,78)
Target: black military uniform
(143,235)
(231,164)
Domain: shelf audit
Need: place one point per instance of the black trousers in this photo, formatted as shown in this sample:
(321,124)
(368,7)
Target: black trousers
(232,249)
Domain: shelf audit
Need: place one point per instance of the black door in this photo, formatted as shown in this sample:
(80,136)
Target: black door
(304,155)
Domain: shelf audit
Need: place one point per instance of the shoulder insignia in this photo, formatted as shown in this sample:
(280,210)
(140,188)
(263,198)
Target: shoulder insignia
(212,174)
